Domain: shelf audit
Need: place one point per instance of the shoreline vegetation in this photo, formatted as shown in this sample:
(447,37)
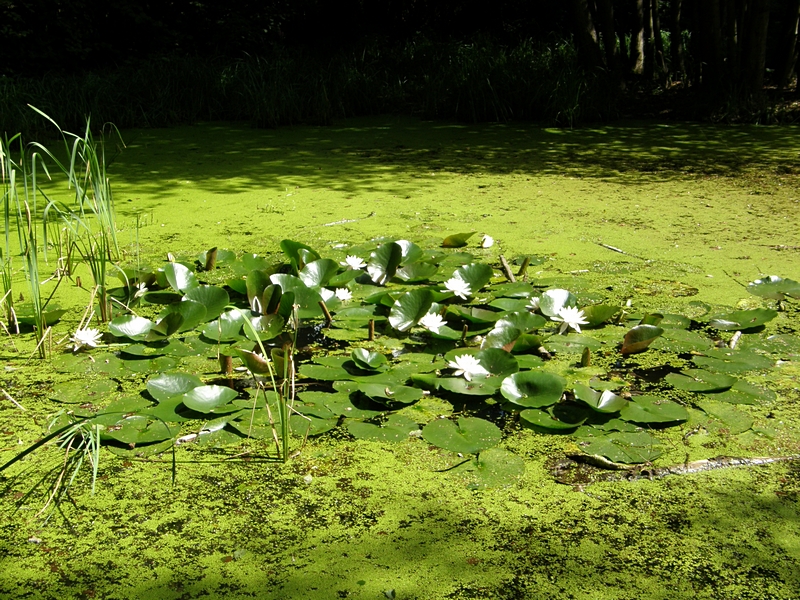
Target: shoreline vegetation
(482,81)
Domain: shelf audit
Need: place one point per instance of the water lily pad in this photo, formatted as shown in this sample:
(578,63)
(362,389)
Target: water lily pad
(383,262)
(785,345)
(227,328)
(164,386)
(572,343)
(223,256)
(323,372)
(479,386)
(673,321)
(522,320)
(417,272)
(626,447)
(639,338)
(180,277)
(472,314)
(50,316)
(212,297)
(732,420)
(498,362)
(743,392)
(552,301)
(533,389)
(264,327)
(139,429)
(318,272)
(130,326)
(470,436)
(207,398)
(388,394)
(774,288)
(457,240)
(167,325)
(298,254)
(597,314)
(652,409)
(502,337)
(476,275)
(126,404)
(493,468)
(742,319)
(192,314)
(725,360)
(367,360)
(681,341)
(303,426)
(410,308)
(395,429)
(542,420)
(699,380)
(306,298)
(510,304)
(345,277)
(341,403)
(604,402)
(79,392)
(255,363)
(141,450)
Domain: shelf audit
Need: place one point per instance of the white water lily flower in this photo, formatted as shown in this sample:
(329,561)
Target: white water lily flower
(533,305)
(467,365)
(88,337)
(487,241)
(569,316)
(343,294)
(432,322)
(141,290)
(353,262)
(459,287)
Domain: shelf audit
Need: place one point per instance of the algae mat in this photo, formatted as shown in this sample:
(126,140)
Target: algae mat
(697,211)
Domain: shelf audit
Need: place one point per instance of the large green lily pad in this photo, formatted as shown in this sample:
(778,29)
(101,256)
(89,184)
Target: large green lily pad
(410,308)
(699,380)
(395,429)
(533,389)
(652,409)
(208,398)
(470,436)
(625,447)
(742,319)
(492,468)
(167,385)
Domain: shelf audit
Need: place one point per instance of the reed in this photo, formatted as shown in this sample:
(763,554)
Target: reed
(90,221)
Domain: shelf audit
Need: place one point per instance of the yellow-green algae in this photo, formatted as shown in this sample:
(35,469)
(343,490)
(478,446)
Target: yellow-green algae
(695,207)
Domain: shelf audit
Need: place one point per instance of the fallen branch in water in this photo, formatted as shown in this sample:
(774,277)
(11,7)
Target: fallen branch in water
(573,470)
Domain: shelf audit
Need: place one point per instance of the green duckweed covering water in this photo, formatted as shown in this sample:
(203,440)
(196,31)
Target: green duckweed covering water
(698,210)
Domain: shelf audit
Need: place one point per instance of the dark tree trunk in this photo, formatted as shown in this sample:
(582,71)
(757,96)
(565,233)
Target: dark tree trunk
(676,41)
(585,34)
(647,22)
(711,50)
(637,38)
(660,63)
(788,60)
(754,48)
(605,20)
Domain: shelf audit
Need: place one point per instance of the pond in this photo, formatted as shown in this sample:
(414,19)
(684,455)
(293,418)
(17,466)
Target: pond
(521,355)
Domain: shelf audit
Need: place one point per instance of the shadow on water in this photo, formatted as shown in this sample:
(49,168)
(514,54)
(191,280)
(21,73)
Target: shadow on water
(364,154)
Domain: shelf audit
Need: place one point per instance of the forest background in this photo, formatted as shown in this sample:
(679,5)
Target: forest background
(275,62)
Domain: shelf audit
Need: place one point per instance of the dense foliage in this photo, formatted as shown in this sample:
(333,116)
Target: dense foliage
(142,63)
